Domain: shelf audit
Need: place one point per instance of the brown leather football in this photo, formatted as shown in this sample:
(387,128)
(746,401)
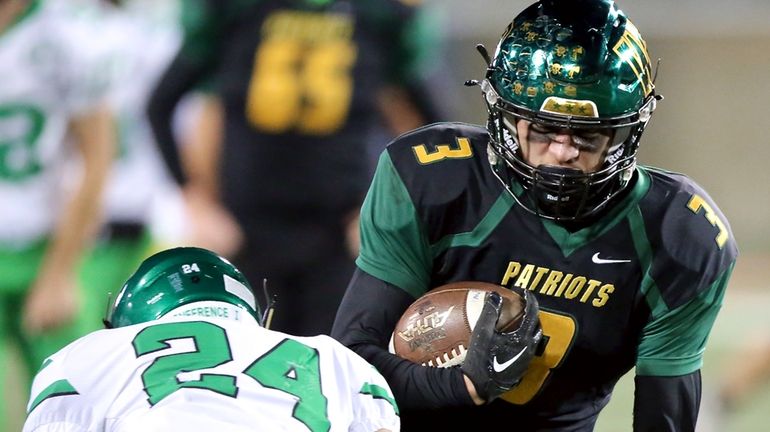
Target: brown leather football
(436,329)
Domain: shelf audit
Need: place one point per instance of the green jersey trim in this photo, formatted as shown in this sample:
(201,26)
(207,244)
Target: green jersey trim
(58,388)
(569,242)
(378,392)
(394,247)
(31,8)
(644,252)
(673,343)
(474,238)
(45,364)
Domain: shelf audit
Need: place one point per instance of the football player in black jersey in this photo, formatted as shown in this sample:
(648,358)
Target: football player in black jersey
(629,264)
(301,84)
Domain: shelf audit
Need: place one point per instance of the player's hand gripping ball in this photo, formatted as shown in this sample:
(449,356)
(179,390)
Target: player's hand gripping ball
(436,329)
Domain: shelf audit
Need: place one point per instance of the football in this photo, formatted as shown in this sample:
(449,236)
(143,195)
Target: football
(436,329)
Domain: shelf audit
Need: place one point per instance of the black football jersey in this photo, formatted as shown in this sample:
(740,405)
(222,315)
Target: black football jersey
(298,81)
(640,287)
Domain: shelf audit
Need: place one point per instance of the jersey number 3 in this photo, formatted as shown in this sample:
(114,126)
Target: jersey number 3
(290,367)
(463,150)
(695,205)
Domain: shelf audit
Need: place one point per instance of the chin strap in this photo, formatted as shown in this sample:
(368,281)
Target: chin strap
(108,309)
(267,314)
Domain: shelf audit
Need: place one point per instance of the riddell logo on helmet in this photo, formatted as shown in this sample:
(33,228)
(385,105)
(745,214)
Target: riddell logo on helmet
(614,157)
(555,198)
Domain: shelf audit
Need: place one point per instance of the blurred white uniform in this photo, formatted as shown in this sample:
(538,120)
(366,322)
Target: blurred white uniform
(208,366)
(141,43)
(57,77)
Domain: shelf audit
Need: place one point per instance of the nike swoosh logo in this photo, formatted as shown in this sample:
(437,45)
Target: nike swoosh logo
(598,260)
(499,367)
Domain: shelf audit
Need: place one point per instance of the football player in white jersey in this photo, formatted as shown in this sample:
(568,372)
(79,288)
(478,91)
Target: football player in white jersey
(51,86)
(185,350)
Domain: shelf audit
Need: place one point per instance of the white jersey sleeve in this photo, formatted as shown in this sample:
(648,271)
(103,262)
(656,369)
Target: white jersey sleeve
(372,402)
(139,50)
(83,70)
(203,371)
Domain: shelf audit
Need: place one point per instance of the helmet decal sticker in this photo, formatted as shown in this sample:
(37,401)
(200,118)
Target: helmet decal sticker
(237,288)
(557,105)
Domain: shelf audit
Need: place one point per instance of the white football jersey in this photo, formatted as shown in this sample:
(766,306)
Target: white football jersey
(140,47)
(209,368)
(49,75)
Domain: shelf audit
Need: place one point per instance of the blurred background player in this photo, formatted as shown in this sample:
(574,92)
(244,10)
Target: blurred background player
(298,88)
(144,373)
(629,264)
(748,374)
(139,38)
(56,148)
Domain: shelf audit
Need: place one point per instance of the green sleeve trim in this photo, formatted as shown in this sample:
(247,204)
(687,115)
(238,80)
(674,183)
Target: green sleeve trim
(59,388)
(669,367)
(474,238)
(379,392)
(394,247)
(30,10)
(45,364)
(673,343)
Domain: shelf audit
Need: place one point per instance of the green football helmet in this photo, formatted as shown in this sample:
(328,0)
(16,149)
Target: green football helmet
(176,277)
(568,64)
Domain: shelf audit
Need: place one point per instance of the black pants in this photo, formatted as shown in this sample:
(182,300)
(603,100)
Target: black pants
(307,267)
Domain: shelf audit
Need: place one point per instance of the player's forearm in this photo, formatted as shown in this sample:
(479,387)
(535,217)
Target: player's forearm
(94,137)
(182,75)
(367,330)
(160,110)
(201,149)
(667,404)
(417,387)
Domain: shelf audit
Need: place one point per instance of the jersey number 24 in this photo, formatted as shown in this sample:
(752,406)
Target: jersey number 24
(290,367)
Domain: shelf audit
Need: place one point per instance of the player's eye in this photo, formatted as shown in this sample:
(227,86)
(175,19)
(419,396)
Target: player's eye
(591,143)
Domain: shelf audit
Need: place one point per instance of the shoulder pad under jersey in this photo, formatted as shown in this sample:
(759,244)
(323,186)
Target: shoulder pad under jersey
(690,237)
(446,171)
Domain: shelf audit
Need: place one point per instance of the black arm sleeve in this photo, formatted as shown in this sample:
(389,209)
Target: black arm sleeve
(180,77)
(204,32)
(365,320)
(667,404)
